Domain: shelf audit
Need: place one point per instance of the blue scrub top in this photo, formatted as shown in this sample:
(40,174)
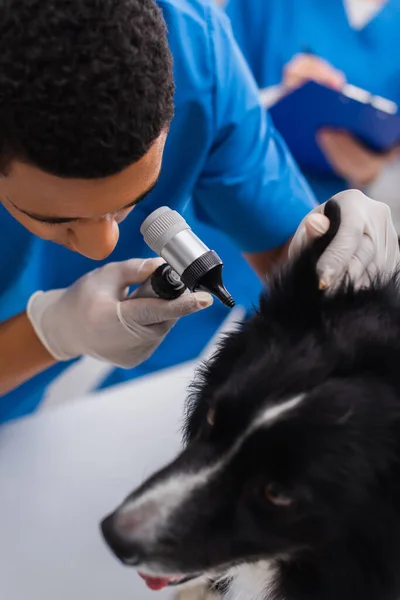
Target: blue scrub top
(225,168)
(271,32)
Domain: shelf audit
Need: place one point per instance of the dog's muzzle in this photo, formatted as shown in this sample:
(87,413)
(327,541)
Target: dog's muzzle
(127,551)
(131,554)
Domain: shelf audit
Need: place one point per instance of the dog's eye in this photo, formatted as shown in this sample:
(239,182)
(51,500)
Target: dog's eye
(276,496)
(211,416)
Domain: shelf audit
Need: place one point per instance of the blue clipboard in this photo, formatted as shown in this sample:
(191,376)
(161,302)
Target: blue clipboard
(299,115)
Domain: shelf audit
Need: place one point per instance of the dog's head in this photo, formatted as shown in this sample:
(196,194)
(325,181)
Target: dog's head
(292,432)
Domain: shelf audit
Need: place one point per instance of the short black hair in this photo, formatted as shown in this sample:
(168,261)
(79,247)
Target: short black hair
(86,86)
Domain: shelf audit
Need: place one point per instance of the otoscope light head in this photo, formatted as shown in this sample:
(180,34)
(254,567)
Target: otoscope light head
(205,273)
(166,232)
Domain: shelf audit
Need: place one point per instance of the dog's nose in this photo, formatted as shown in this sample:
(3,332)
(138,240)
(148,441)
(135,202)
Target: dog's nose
(127,551)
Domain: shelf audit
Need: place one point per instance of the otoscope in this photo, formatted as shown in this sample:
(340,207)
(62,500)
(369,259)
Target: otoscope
(190,264)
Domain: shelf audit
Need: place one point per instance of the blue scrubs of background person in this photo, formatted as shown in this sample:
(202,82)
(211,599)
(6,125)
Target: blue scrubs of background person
(224,167)
(272,32)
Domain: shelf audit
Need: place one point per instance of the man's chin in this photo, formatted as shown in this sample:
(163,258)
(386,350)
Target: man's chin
(65,245)
(68,247)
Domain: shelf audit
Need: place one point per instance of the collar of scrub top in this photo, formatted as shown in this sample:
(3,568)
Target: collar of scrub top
(362,12)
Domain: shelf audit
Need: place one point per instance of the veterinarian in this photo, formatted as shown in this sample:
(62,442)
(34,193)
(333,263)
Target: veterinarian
(287,43)
(86,120)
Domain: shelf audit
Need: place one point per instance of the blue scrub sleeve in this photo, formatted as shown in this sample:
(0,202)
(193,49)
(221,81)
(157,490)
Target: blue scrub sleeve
(250,187)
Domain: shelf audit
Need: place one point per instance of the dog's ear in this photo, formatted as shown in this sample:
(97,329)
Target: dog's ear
(213,373)
(293,298)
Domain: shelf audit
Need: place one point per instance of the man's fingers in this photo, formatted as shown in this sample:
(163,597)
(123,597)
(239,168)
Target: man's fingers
(151,311)
(391,253)
(369,275)
(312,227)
(316,225)
(361,261)
(186,305)
(335,260)
(365,243)
(132,272)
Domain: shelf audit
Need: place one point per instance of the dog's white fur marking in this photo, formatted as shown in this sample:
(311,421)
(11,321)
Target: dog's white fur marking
(164,499)
(198,592)
(147,515)
(274,413)
(251,582)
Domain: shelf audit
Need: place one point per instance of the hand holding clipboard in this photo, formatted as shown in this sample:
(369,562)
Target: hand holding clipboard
(313,119)
(306,110)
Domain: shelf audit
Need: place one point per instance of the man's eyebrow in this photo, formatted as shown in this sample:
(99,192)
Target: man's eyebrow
(142,196)
(60,220)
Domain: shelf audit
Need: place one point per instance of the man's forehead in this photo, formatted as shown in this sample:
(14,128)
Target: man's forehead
(46,197)
(59,219)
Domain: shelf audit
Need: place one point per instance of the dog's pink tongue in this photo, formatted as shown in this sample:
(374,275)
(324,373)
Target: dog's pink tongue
(155,583)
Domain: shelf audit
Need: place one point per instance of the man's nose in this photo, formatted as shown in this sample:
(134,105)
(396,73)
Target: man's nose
(94,239)
(126,550)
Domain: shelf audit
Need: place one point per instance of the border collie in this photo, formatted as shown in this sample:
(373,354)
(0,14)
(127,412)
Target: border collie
(288,487)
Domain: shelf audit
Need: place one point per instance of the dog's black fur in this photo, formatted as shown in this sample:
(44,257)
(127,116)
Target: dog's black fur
(317,493)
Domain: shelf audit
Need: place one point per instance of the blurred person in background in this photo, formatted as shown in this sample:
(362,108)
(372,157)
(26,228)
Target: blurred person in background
(289,42)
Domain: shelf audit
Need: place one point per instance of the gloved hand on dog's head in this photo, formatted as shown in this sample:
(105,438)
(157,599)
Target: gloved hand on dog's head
(366,243)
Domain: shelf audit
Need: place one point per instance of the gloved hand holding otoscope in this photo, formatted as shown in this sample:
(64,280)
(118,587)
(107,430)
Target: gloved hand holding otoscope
(94,317)
(189,263)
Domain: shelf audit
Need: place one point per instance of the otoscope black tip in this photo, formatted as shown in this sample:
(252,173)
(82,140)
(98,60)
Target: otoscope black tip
(228,301)
(220,292)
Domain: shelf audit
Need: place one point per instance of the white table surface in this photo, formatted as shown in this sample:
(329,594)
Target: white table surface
(64,469)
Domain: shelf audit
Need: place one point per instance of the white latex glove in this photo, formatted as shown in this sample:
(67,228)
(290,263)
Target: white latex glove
(365,244)
(95,317)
